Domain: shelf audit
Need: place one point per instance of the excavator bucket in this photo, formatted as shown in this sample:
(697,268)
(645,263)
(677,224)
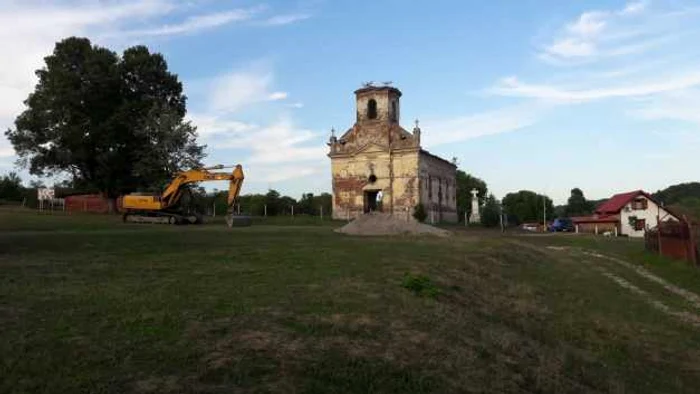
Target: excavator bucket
(237,220)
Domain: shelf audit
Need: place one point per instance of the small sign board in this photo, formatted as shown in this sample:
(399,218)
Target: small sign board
(45,193)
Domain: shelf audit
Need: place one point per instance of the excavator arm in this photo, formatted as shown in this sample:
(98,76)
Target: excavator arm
(173,191)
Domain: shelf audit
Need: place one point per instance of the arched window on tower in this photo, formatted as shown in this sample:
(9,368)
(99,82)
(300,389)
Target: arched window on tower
(393,111)
(372,109)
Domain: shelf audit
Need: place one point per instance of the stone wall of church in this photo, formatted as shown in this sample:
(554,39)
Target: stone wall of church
(438,189)
(351,178)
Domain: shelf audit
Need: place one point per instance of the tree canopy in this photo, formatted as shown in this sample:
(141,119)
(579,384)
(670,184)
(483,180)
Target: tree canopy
(115,124)
(491,212)
(677,193)
(11,187)
(465,184)
(527,206)
(683,198)
(578,205)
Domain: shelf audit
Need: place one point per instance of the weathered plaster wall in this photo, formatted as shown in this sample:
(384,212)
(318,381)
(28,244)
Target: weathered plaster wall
(351,179)
(439,191)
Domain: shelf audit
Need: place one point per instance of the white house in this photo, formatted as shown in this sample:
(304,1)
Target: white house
(632,213)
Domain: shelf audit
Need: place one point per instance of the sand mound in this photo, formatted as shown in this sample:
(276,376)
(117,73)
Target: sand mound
(385,224)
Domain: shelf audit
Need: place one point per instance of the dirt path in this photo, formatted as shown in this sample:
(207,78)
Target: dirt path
(600,263)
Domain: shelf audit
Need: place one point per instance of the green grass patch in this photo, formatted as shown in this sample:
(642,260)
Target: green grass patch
(90,304)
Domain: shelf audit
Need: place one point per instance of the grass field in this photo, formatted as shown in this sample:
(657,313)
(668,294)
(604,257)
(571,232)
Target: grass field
(90,304)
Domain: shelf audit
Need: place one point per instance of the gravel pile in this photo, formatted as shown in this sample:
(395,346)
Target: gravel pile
(377,223)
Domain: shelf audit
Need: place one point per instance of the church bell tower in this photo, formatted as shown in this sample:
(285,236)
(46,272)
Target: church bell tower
(377,104)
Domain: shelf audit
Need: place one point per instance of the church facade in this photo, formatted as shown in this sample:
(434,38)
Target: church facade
(377,165)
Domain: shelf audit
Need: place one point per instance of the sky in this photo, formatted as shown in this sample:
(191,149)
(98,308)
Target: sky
(542,95)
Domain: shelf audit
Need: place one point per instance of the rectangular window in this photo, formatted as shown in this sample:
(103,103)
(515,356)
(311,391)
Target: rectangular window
(639,204)
(640,224)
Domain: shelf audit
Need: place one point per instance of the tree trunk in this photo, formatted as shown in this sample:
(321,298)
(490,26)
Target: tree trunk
(111,203)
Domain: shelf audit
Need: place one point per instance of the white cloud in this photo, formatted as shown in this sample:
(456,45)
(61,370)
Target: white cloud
(503,120)
(275,152)
(237,89)
(6,151)
(196,23)
(626,54)
(277,96)
(679,105)
(589,24)
(280,20)
(210,125)
(598,34)
(511,86)
(634,8)
(571,47)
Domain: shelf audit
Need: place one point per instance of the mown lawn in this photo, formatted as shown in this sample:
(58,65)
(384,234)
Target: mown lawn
(89,304)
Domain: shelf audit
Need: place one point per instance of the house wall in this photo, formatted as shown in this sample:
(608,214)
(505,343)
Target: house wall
(649,215)
(438,189)
(351,179)
(590,228)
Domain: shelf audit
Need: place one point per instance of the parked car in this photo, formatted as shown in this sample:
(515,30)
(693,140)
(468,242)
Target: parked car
(530,226)
(562,225)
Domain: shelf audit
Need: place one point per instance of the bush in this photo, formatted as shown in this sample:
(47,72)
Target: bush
(419,213)
(420,285)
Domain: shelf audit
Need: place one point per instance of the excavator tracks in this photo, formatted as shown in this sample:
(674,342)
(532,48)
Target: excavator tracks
(160,218)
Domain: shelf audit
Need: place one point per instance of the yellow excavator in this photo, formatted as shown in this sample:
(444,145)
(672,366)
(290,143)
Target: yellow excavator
(174,206)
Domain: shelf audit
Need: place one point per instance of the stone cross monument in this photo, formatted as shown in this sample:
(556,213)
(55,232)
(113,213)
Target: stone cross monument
(475,217)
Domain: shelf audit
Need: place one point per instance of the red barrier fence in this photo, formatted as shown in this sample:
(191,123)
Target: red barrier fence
(93,203)
(677,240)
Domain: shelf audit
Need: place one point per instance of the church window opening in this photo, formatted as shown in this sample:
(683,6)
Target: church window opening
(372,109)
(393,111)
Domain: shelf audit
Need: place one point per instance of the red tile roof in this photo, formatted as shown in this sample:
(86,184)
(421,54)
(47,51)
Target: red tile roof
(618,201)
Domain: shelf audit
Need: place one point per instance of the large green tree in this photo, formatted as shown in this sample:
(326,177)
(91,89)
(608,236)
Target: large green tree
(577,204)
(310,204)
(491,212)
(11,187)
(527,206)
(465,184)
(116,124)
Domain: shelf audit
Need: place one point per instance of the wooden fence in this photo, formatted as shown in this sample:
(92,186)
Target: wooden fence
(677,240)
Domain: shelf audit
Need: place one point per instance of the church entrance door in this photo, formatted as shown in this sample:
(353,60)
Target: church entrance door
(370,200)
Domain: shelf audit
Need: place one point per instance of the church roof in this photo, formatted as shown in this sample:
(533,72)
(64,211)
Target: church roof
(378,88)
(425,152)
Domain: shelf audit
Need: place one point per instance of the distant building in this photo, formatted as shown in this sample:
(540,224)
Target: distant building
(377,156)
(630,214)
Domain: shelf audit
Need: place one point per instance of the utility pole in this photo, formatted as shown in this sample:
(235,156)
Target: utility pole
(501,218)
(544,213)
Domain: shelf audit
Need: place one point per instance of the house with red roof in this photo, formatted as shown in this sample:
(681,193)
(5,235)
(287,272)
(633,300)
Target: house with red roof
(629,214)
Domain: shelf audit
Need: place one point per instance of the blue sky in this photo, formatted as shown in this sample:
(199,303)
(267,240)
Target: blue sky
(539,95)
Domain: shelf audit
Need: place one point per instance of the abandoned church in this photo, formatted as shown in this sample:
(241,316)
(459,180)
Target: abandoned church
(377,165)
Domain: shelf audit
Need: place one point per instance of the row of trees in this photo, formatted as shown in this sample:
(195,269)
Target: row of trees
(517,207)
(271,203)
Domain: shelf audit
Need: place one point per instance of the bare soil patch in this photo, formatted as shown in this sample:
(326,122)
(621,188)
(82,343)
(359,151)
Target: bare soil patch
(386,224)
